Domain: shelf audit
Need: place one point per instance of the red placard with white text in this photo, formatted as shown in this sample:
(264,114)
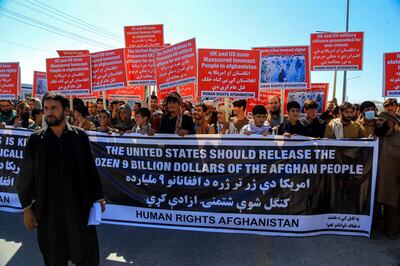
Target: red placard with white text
(337,51)
(64,53)
(187,92)
(69,75)
(176,65)
(39,87)
(228,73)
(109,70)
(284,67)
(318,93)
(144,35)
(9,81)
(140,65)
(263,99)
(129,93)
(391,74)
(90,97)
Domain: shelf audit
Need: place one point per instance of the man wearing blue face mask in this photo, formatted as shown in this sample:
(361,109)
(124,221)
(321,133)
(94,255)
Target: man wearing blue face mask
(367,120)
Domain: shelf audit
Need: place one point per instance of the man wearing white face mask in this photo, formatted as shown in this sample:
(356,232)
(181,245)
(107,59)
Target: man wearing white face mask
(367,120)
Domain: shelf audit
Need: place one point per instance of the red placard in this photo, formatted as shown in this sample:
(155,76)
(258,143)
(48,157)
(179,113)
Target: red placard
(140,65)
(337,51)
(186,91)
(129,93)
(69,75)
(176,65)
(391,75)
(284,67)
(92,96)
(318,93)
(109,70)
(39,87)
(144,35)
(9,81)
(229,73)
(263,99)
(64,53)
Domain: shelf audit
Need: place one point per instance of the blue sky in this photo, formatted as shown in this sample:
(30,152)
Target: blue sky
(215,24)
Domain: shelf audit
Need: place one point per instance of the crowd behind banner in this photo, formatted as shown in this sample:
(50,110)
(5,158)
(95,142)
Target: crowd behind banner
(176,116)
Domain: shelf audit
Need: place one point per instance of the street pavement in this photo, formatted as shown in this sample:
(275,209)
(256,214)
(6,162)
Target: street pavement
(125,245)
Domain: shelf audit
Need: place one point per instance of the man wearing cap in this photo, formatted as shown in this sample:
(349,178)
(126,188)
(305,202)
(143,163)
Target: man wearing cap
(174,121)
(390,105)
(388,181)
(367,119)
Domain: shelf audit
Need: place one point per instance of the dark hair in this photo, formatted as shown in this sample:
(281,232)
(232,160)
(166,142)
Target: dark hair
(139,104)
(259,110)
(389,101)
(172,98)
(240,103)
(56,97)
(100,100)
(346,105)
(356,106)
(291,105)
(310,104)
(152,97)
(144,112)
(36,111)
(114,102)
(102,111)
(203,106)
(95,104)
(82,110)
(367,104)
(77,102)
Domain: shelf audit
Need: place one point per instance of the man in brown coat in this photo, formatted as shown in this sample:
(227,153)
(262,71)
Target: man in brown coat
(388,181)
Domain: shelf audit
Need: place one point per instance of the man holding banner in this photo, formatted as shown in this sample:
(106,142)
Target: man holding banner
(56,197)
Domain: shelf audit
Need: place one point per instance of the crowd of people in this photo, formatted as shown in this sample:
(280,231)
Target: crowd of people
(176,116)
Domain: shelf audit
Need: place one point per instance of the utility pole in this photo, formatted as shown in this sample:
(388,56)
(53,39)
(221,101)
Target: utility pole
(345,72)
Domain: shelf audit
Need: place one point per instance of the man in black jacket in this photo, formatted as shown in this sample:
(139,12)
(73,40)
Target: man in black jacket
(57,187)
(314,126)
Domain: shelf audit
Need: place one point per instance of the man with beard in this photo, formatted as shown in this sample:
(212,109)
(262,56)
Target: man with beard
(200,123)
(343,127)
(58,185)
(7,114)
(174,121)
(274,111)
(388,181)
(93,114)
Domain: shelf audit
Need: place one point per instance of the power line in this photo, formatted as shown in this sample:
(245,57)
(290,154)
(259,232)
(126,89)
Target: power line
(45,29)
(27,46)
(75,24)
(89,40)
(65,15)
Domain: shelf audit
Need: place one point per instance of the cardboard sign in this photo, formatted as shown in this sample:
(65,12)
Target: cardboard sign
(129,93)
(9,81)
(64,53)
(284,67)
(109,70)
(337,51)
(318,93)
(69,75)
(391,75)
(144,36)
(176,65)
(187,92)
(39,87)
(140,65)
(229,73)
